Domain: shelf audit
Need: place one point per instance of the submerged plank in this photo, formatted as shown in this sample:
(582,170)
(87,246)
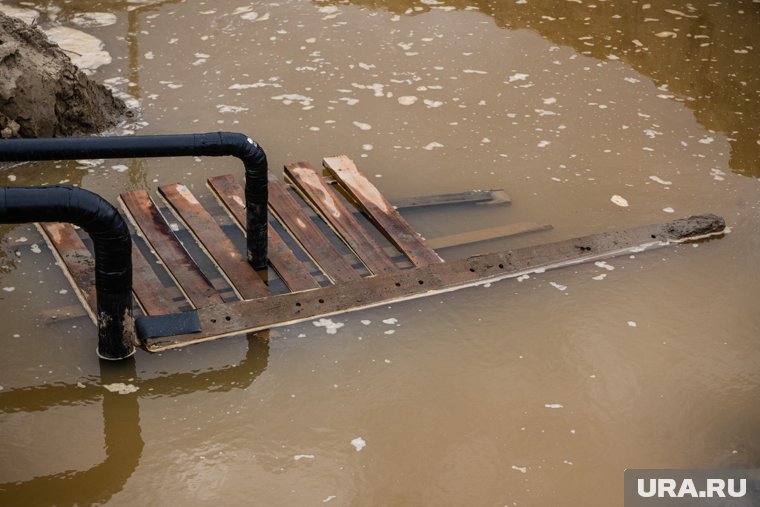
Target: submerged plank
(470,237)
(292,271)
(381,211)
(162,240)
(489,197)
(253,315)
(324,198)
(233,265)
(290,213)
(151,294)
(76,261)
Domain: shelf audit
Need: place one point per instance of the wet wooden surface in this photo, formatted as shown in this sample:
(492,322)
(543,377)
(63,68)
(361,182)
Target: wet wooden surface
(151,294)
(291,271)
(232,262)
(290,213)
(477,236)
(78,263)
(492,196)
(245,316)
(169,249)
(381,211)
(337,214)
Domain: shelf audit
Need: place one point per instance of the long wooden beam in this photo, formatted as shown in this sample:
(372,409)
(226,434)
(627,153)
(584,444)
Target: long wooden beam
(245,316)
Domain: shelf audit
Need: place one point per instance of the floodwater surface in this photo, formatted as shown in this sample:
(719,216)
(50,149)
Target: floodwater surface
(592,115)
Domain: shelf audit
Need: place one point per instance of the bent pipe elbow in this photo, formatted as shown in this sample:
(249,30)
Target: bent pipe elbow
(213,144)
(113,252)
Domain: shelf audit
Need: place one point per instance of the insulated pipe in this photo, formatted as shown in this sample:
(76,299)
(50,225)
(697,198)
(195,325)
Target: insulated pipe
(113,252)
(214,144)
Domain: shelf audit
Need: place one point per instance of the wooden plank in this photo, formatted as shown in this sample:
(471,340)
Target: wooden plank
(253,315)
(291,271)
(324,198)
(485,197)
(241,276)
(290,213)
(501,231)
(76,261)
(381,211)
(489,197)
(178,262)
(151,294)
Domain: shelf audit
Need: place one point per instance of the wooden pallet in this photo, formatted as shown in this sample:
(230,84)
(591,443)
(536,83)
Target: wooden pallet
(325,233)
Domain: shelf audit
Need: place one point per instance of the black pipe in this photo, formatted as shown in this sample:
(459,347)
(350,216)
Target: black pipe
(113,252)
(214,144)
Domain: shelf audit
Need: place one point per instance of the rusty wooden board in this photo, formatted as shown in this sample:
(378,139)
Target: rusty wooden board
(76,261)
(483,197)
(476,236)
(290,213)
(178,262)
(234,266)
(151,294)
(381,211)
(290,270)
(246,316)
(342,220)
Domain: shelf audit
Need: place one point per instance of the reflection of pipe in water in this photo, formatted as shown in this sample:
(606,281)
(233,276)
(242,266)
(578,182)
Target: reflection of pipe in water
(123,448)
(121,424)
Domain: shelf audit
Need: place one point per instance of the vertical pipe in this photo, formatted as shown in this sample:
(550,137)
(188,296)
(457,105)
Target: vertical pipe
(113,253)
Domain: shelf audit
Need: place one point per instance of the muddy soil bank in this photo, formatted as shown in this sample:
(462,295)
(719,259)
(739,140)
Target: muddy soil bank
(42,93)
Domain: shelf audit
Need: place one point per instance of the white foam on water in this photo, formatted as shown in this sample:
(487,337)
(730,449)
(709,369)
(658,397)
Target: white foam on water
(362,126)
(659,180)
(121,388)
(85,51)
(258,84)
(28,16)
(432,146)
(522,470)
(407,100)
(299,457)
(223,108)
(330,326)
(553,405)
(558,286)
(518,76)
(94,19)
(390,321)
(359,443)
(290,98)
(619,201)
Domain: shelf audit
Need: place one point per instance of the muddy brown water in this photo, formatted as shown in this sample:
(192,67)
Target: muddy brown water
(538,392)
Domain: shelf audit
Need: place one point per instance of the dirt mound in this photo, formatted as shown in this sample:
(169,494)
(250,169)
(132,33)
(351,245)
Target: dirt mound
(43,94)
